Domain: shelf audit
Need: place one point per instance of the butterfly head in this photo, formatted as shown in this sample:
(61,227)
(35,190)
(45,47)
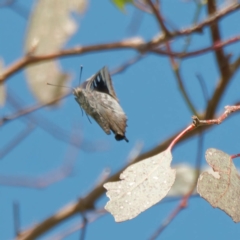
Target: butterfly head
(77,91)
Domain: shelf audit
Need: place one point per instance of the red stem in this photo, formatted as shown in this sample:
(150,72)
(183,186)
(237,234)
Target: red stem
(235,156)
(188,129)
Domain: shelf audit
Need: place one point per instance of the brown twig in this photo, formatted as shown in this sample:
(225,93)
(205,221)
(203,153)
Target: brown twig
(38,106)
(16,217)
(126,64)
(45,179)
(6,3)
(87,203)
(176,70)
(174,64)
(30,59)
(84,228)
(74,208)
(222,60)
(17,8)
(51,128)
(229,109)
(215,46)
(212,18)
(235,156)
(16,140)
(30,109)
(203,87)
(76,227)
(184,201)
(182,205)
(220,89)
(159,18)
(138,45)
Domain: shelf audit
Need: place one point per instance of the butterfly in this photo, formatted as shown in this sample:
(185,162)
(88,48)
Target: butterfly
(97,97)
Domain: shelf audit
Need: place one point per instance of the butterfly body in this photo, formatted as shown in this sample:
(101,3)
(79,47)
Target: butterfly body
(98,98)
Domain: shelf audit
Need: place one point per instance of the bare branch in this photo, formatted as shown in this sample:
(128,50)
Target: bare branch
(16,217)
(138,44)
(76,227)
(182,205)
(16,140)
(183,55)
(222,60)
(45,179)
(159,18)
(228,111)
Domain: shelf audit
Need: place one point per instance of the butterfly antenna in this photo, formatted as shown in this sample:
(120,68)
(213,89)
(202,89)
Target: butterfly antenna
(80,74)
(55,85)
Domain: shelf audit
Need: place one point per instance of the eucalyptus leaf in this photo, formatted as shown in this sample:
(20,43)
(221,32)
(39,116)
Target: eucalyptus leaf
(142,185)
(221,190)
(51,25)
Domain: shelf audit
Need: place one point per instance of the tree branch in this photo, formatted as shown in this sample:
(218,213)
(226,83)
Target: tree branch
(135,44)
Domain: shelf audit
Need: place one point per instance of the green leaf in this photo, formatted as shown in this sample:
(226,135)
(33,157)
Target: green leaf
(121,3)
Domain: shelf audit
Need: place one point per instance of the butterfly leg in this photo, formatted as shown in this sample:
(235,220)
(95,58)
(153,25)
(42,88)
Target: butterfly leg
(89,119)
(81,110)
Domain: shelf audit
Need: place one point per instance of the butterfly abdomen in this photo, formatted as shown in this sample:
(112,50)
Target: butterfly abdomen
(111,111)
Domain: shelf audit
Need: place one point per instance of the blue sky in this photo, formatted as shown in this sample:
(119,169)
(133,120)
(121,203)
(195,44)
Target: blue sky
(149,95)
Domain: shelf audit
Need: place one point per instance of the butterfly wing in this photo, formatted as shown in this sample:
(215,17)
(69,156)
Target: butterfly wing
(102,122)
(87,101)
(112,113)
(101,82)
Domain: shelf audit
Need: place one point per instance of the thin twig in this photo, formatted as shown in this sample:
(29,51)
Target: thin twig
(95,215)
(135,22)
(40,182)
(87,203)
(214,17)
(184,201)
(184,92)
(6,3)
(126,44)
(45,179)
(219,120)
(220,89)
(168,220)
(194,22)
(84,228)
(174,64)
(159,18)
(183,55)
(19,9)
(38,106)
(16,217)
(222,60)
(30,109)
(126,64)
(203,87)
(16,140)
